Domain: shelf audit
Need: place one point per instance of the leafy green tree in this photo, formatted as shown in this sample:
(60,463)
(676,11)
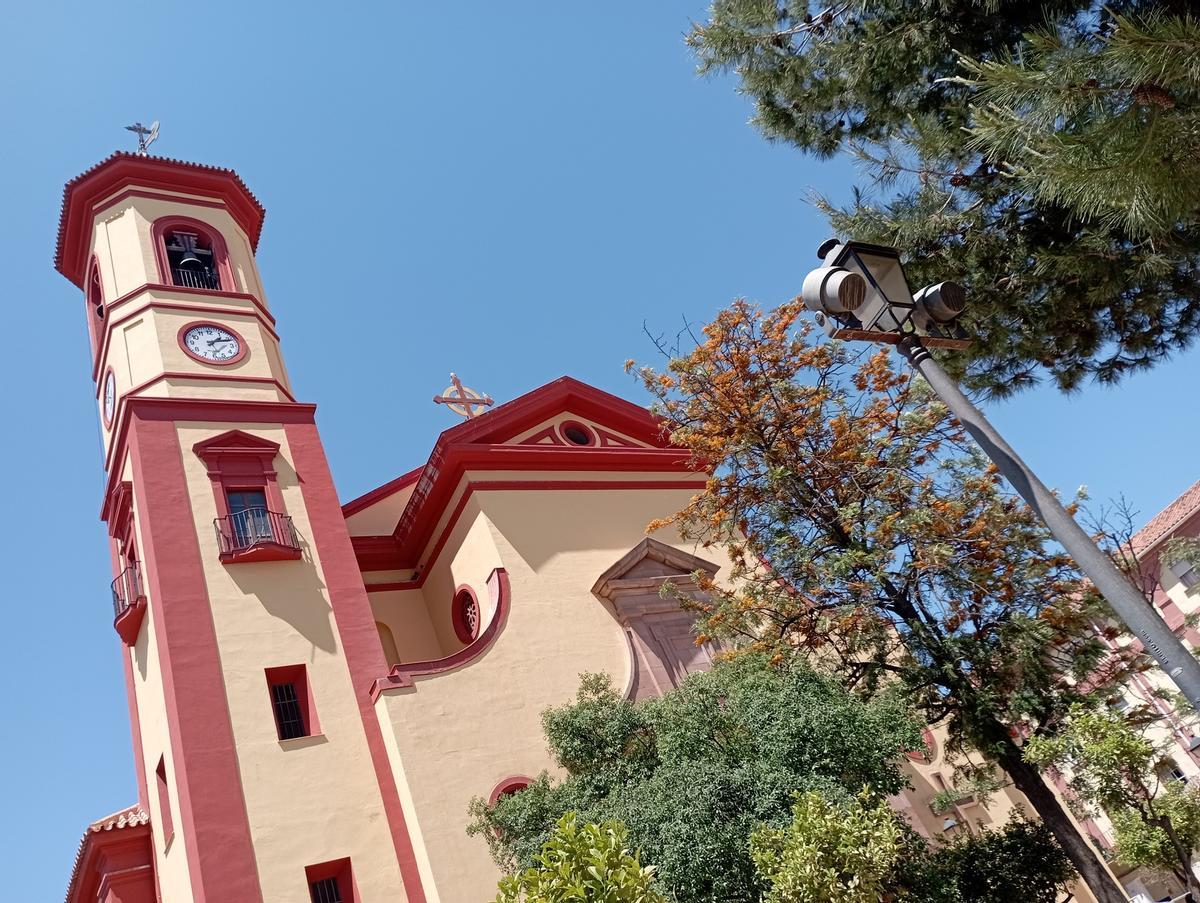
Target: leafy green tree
(894,553)
(1049,168)
(1110,765)
(583,864)
(830,853)
(860,852)
(694,773)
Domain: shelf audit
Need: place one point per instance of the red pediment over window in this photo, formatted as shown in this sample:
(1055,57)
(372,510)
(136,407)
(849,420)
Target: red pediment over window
(252,523)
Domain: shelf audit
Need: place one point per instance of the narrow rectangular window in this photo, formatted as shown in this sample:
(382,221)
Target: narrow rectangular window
(325,891)
(331,882)
(291,702)
(288,716)
(249,520)
(164,801)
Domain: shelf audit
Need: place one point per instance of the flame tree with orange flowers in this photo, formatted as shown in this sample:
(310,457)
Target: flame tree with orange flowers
(867,533)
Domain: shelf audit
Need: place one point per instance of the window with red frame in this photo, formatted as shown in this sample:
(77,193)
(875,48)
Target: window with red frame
(191,258)
(465,615)
(291,702)
(331,882)
(164,800)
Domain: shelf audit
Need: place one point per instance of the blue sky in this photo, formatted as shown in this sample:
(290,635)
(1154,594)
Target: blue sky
(508,191)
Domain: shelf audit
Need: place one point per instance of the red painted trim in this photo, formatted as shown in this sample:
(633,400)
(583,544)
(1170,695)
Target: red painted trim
(220,250)
(114,851)
(438,484)
(188,290)
(353,619)
(213,377)
(264,319)
(97,189)
(592,439)
(368,499)
(374,556)
(243,348)
(215,828)
(135,728)
(223,410)
(401,676)
(547,433)
(128,623)
(465,632)
(105,415)
(507,786)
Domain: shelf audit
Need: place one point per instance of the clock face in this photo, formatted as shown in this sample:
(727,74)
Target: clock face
(212,343)
(110,397)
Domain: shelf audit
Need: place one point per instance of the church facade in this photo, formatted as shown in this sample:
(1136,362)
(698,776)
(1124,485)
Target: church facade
(317,689)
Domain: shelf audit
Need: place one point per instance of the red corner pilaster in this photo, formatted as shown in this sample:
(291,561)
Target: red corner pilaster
(355,625)
(216,829)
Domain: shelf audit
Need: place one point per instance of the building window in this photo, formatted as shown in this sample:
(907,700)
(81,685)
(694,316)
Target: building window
(1189,577)
(331,882)
(192,254)
(507,787)
(1169,772)
(466,615)
(577,433)
(291,702)
(191,259)
(164,801)
(248,517)
(325,891)
(251,521)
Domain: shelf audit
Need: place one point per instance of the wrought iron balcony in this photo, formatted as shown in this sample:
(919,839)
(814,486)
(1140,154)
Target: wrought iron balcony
(256,534)
(196,277)
(126,589)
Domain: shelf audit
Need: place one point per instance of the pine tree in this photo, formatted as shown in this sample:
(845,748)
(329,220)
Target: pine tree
(1049,168)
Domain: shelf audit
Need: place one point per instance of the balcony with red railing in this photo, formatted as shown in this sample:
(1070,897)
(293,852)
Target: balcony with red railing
(256,534)
(129,603)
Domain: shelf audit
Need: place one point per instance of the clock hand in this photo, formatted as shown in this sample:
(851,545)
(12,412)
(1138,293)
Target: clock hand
(224,339)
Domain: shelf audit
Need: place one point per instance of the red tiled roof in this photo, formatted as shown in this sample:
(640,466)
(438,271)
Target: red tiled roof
(1163,524)
(129,817)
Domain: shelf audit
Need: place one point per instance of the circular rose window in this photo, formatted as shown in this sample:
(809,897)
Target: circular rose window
(466,615)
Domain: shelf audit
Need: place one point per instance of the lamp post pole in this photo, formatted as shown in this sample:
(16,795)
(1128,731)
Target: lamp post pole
(862,293)
(1124,598)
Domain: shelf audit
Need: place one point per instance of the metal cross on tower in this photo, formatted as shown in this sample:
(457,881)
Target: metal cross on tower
(146,136)
(463,400)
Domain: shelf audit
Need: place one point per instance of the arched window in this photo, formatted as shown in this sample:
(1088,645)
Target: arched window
(465,615)
(507,787)
(95,302)
(192,254)
(386,639)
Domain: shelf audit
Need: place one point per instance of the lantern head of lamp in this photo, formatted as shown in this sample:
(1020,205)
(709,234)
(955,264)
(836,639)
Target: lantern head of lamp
(862,293)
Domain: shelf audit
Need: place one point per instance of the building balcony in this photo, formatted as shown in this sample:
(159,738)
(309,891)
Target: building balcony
(256,534)
(129,604)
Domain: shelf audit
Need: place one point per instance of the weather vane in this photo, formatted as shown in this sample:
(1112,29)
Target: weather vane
(463,400)
(145,135)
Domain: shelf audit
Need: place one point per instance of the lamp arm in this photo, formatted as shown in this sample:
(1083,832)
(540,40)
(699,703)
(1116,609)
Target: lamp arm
(1126,601)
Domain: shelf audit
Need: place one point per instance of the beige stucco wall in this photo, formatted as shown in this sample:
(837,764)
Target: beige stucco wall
(308,800)
(460,733)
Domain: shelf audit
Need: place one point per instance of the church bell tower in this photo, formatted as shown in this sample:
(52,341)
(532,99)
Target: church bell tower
(245,632)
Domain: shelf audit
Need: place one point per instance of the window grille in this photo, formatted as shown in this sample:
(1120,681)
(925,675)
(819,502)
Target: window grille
(325,891)
(288,714)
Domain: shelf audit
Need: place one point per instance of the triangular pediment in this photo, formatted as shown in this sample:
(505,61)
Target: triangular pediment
(236,442)
(651,561)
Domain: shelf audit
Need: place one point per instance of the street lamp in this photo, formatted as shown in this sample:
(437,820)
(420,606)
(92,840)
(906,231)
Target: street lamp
(861,293)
